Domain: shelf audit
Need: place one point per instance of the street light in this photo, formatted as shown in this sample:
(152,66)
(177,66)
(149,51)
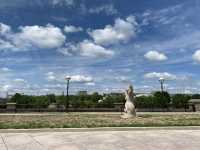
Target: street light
(161,80)
(67,98)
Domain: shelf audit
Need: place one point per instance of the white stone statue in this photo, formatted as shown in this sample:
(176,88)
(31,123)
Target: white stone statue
(129,110)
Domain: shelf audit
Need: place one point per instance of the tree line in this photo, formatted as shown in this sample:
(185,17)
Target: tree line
(95,100)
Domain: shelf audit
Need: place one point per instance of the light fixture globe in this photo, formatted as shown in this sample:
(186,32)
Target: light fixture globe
(67,78)
(161,79)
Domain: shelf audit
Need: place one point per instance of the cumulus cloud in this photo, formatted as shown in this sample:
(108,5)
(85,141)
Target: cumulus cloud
(13,85)
(158,75)
(20,81)
(62,2)
(50,76)
(71,29)
(28,37)
(6,88)
(109,9)
(5,69)
(39,36)
(121,31)
(86,48)
(196,56)
(7,45)
(4,29)
(90,84)
(90,49)
(81,79)
(49,37)
(155,56)
(122,79)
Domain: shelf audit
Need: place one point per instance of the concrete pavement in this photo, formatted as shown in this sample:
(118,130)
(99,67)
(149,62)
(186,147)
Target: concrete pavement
(103,140)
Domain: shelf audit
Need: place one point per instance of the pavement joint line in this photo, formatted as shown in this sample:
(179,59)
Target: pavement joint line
(98,129)
(35,140)
(4,142)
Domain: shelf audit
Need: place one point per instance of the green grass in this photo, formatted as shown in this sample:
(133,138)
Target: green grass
(92,120)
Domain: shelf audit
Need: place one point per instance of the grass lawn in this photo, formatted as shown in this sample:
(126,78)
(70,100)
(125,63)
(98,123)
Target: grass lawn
(90,120)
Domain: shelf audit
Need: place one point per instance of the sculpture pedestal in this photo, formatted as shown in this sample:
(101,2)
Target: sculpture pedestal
(125,115)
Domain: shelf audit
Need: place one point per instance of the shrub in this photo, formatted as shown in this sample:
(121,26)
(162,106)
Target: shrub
(161,99)
(180,100)
(144,102)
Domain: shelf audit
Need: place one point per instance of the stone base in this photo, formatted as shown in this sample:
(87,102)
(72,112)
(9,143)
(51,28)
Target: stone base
(125,116)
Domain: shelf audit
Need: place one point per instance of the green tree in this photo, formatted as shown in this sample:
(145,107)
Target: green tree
(52,98)
(144,102)
(180,100)
(16,98)
(60,100)
(196,96)
(161,99)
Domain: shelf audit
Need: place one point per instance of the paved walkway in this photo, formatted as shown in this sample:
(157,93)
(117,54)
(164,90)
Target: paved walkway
(103,140)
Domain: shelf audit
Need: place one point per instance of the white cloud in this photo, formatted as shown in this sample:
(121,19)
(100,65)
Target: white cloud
(48,37)
(91,84)
(50,76)
(39,36)
(108,9)
(67,49)
(6,88)
(158,75)
(20,81)
(121,31)
(164,16)
(5,69)
(81,79)
(122,79)
(4,29)
(87,48)
(155,56)
(71,29)
(53,86)
(29,37)
(63,2)
(7,45)
(196,56)
(50,73)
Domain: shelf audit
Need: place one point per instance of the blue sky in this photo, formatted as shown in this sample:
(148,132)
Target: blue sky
(104,45)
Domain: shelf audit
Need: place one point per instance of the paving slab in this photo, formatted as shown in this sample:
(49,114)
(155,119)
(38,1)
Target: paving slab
(20,141)
(103,140)
(2,147)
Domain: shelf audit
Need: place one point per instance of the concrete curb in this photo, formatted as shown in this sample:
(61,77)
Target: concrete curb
(98,129)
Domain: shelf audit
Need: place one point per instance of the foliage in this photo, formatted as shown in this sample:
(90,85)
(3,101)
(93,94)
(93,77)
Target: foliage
(144,102)
(161,99)
(51,98)
(196,96)
(26,101)
(180,100)
(157,100)
(109,101)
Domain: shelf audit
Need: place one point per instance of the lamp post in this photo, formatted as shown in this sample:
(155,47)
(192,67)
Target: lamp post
(67,98)
(161,80)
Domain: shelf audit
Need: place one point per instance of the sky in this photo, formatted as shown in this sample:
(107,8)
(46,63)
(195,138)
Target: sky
(103,45)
